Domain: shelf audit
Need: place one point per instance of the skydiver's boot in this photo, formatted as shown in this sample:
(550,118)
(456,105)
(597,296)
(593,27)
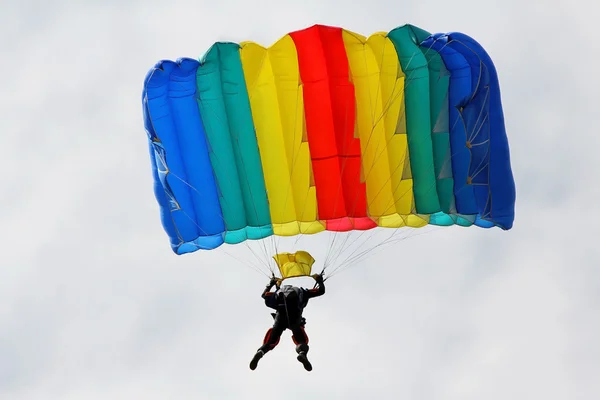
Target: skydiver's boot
(259,354)
(304,360)
(302,349)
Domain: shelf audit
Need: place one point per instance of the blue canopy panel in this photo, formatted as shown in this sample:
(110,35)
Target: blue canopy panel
(184,183)
(483,179)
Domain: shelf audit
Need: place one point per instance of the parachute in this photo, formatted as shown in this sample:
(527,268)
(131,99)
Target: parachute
(294,265)
(327,130)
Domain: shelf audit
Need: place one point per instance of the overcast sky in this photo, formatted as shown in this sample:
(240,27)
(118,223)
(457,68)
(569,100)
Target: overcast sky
(94,305)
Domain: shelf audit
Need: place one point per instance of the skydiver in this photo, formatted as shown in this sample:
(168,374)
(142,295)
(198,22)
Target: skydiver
(289,302)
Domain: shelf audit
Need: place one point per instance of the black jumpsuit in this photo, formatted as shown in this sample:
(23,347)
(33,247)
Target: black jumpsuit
(289,315)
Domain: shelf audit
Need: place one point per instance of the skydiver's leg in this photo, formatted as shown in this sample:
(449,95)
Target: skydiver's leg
(272,337)
(269,342)
(300,338)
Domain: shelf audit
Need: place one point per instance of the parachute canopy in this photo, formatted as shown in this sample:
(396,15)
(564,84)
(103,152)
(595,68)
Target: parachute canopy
(328,130)
(293,265)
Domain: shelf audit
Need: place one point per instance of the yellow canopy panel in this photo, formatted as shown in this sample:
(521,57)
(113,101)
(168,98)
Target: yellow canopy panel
(292,265)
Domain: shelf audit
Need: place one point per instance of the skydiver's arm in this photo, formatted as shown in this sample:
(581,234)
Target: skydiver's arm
(267,292)
(318,291)
(269,297)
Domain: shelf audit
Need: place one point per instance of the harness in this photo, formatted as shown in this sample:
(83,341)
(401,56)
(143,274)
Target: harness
(286,296)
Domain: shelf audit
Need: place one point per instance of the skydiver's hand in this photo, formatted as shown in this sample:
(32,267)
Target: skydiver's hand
(317,277)
(272,282)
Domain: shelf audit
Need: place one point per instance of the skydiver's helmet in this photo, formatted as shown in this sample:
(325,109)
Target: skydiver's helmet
(289,295)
